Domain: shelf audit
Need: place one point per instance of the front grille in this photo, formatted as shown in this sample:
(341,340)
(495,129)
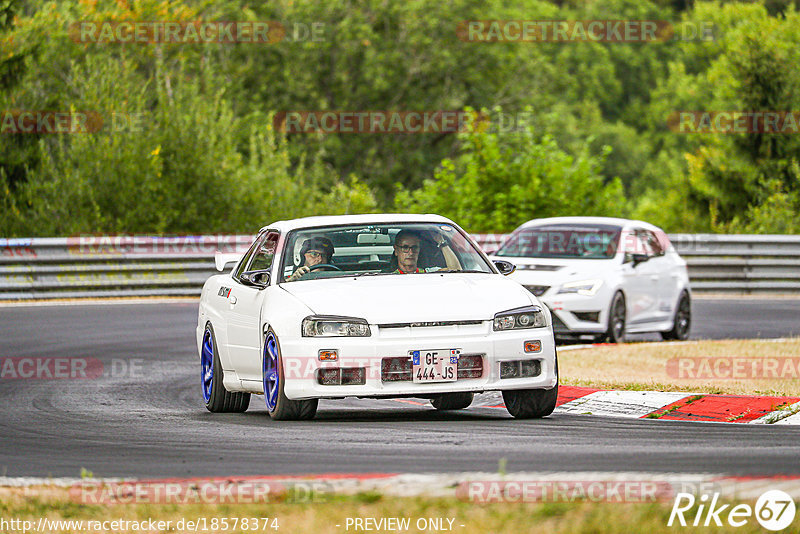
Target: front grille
(429,324)
(537,290)
(520,369)
(558,325)
(540,267)
(398,369)
(344,376)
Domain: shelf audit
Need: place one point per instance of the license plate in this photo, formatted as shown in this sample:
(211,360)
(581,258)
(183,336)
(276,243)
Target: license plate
(434,365)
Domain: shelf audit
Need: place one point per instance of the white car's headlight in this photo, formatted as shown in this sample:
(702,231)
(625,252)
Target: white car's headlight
(527,317)
(582,287)
(328,326)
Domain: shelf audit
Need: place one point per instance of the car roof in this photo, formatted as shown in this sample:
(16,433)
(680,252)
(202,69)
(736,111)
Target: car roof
(624,223)
(372,218)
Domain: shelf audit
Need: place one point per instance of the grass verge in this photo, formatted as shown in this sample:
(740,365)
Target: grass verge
(737,367)
(331,516)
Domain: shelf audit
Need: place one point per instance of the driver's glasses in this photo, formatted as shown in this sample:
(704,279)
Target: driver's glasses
(314,253)
(408,248)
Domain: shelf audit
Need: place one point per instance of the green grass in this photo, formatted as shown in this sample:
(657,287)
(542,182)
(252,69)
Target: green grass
(323,517)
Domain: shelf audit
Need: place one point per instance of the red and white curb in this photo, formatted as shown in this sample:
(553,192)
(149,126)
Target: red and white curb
(675,406)
(680,406)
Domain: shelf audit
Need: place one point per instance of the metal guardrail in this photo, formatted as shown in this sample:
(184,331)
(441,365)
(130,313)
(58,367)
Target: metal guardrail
(745,264)
(110,266)
(117,266)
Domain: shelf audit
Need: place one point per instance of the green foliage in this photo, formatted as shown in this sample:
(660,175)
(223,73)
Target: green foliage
(503,179)
(172,156)
(205,158)
(743,182)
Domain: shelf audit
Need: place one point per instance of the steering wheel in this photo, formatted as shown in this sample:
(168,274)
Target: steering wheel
(320,265)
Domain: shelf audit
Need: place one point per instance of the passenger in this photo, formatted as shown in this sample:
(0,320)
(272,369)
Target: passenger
(407,245)
(315,251)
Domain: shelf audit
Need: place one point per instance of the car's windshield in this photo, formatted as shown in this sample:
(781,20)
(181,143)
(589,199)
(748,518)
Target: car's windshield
(563,241)
(377,249)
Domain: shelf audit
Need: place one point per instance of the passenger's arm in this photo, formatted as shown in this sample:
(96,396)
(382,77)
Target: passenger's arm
(449,256)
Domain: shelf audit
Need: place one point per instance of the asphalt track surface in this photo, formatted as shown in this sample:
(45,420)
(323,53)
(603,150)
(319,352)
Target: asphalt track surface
(148,420)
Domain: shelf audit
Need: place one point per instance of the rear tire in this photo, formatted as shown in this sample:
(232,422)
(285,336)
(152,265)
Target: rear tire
(531,403)
(452,401)
(617,316)
(279,407)
(682,321)
(217,399)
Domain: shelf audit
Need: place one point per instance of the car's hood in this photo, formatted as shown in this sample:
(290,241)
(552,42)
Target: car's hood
(412,297)
(550,272)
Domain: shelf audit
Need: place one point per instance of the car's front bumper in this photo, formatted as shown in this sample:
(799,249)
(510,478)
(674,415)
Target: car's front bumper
(575,315)
(301,362)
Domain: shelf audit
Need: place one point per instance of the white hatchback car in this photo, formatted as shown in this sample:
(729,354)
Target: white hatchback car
(371,306)
(602,277)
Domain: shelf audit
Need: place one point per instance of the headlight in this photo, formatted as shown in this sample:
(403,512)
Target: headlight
(581,287)
(527,317)
(321,326)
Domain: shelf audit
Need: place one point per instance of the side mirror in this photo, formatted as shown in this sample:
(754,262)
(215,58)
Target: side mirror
(257,279)
(505,267)
(223,260)
(639,258)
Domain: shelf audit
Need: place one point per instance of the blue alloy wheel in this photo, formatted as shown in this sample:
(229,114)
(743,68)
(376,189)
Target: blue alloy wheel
(270,372)
(207,365)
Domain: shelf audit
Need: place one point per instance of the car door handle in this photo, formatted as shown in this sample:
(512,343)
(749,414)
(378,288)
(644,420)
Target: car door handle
(233,300)
(654,277)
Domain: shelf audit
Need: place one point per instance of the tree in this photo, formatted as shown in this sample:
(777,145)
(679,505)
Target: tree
(500,180)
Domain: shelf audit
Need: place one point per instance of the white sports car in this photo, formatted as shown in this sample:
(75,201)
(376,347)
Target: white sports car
(602,277)
(371,306)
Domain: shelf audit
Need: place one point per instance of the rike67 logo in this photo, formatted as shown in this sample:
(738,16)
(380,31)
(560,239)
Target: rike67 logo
(774,510)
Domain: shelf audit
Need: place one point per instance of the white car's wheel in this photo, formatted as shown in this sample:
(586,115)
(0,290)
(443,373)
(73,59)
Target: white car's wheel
(531,403)
(682,322)
(215,396)
(617,315)
(452,401)
(278,406)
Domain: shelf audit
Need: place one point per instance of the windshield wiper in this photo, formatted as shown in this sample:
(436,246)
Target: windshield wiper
(368,273)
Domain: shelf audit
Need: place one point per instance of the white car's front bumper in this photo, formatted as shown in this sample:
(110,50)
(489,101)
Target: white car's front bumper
(301,362)
(575,314)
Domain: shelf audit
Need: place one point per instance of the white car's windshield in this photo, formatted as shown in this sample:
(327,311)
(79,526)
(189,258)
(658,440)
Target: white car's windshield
(563,241)
(376,249)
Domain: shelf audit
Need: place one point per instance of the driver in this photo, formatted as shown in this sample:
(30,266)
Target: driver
(407,246)
(315,251)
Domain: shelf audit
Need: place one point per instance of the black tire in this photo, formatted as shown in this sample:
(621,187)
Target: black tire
(682,322)
(285,409)
(532,403)
(220,400)
(452,401)
(617,319)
